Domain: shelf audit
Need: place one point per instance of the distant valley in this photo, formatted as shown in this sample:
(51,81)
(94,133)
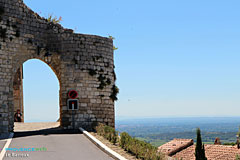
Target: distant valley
(158,131)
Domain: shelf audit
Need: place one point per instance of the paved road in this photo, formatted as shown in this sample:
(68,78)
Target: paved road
(2,143)
(60,145)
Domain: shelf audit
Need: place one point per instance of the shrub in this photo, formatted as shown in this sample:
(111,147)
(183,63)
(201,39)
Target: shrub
(140,149)
(100,129)
(124,140)
(110,134)
(53,19)
(107,132)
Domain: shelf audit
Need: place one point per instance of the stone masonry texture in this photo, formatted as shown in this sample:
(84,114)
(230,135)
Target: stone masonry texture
(81,62)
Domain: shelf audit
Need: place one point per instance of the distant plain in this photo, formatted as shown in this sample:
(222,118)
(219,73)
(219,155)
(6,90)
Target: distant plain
(158,131)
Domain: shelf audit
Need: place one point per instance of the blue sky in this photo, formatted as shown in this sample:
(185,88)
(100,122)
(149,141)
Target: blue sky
(41,92)
(175,58)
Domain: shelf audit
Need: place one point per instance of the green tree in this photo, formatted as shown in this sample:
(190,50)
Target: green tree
(199,150)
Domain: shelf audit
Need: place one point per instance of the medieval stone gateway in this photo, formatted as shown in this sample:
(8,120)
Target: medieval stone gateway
(81,62)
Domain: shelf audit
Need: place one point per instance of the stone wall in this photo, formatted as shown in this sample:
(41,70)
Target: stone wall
(81,62)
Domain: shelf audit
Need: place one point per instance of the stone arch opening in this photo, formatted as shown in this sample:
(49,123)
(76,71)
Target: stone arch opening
(32,96)
(18,90)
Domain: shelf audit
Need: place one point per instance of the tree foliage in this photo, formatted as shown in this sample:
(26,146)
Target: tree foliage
(199,150)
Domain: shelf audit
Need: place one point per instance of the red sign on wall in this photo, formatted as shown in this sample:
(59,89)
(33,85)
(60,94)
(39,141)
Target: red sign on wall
(72,94)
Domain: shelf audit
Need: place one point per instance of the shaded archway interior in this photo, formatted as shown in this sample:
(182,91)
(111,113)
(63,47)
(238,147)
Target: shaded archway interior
(18,91)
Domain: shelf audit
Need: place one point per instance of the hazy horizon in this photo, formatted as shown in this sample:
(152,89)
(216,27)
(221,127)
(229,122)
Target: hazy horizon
(124,118)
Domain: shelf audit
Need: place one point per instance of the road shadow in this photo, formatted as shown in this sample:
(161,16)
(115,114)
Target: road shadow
(4,136)
(45,132)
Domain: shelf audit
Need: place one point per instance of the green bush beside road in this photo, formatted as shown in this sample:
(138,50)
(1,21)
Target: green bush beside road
(138,148)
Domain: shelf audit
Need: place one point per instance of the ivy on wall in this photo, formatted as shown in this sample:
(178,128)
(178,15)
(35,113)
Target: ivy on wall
(115,91)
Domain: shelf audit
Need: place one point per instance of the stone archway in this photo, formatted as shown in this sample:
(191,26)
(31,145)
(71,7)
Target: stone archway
(18,96)
(81,62)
